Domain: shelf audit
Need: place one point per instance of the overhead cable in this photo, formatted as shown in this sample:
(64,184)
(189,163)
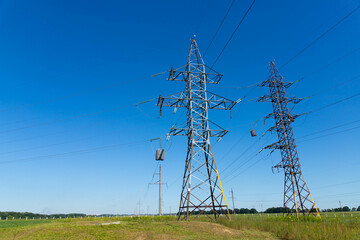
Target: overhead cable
(232,35)
(321,36)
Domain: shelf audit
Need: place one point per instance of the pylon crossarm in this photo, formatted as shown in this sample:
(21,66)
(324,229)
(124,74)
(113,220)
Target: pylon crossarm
(275,145)
(174,100)
(182,75)
(219,102)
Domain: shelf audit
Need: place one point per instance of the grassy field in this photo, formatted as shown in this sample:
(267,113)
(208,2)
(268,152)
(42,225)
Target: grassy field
(257,226)
(331,226)
(128,228)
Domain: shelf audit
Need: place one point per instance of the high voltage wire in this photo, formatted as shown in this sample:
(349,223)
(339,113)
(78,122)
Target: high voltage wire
(308,75)
(331,63)
(77,94)
(72,152)
(335,85)
(241,155)
(247,160)
(328,129)
(321,36)
(334,103)
(253,156)
(330,134)
(218,29)
(76,151)
(242,164)
(56,144)
(261,159)
(73,117)
(232,35)
(319,187)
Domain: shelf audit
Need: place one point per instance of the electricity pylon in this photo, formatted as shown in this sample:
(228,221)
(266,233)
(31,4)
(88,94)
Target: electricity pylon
(202,192)
(297,196)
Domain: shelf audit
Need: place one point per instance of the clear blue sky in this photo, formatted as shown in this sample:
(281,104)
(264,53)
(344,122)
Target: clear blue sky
(55,49)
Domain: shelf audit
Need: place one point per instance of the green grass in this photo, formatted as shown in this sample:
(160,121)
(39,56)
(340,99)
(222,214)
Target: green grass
(21,223)
(333,226)
(129,228)
(258,226)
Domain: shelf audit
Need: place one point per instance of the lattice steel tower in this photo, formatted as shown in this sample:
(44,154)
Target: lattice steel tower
(202,192)
(297,197)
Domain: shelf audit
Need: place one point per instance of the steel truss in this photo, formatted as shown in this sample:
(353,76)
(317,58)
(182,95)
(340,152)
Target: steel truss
(202,192)
(297,197)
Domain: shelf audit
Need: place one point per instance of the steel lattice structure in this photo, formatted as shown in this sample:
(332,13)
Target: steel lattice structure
(202,192)
(297,197)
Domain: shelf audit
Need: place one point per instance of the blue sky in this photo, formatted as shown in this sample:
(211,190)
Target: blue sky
(59,156)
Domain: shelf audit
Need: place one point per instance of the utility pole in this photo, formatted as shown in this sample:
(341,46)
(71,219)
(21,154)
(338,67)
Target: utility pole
(160,190)
(297,196)
(232,196)
(340,205)
(160,156)
(202,192)
(139,208)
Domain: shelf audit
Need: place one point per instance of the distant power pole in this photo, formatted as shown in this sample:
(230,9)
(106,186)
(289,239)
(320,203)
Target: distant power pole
(232,196)
(202,192)
(139,208)
(297,196)
(340,205)
(160,156)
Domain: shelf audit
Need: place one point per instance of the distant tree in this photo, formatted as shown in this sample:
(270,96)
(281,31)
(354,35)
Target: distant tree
(277,210)
(353,209)
(253,210)
(358,209)
(346,209)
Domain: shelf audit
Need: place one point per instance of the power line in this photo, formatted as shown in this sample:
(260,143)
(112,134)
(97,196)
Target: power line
(242,87)
(259,160)
(308,75)
(72,152)
(321,36)
(337,184)
(241,155)
(74,94)
(329,64)
(328,129)
(59,143)
(220,25)
(243,163)
(334,103)
(73,117)
(330,134)
(232,35)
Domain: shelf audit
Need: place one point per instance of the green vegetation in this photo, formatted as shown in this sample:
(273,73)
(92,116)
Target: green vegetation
(128,228)
(29,215)
(332,226)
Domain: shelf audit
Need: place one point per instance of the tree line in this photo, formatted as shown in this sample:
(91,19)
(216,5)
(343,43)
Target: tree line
(30,215)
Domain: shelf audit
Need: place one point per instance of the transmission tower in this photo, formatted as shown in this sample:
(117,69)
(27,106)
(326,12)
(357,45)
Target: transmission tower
(297,197)
(202,192)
